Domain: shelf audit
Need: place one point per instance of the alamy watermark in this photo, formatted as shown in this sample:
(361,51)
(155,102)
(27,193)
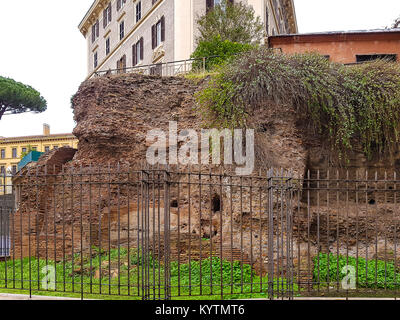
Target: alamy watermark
(188,147)
(349,281)
(49,279)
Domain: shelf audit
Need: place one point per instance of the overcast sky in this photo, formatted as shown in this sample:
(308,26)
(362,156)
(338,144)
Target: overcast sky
(42,46)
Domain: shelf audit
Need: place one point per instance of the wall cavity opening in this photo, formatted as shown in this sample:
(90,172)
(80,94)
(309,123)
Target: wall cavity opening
(216,203)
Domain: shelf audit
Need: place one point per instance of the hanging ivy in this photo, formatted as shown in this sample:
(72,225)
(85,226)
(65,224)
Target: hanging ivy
(347,104)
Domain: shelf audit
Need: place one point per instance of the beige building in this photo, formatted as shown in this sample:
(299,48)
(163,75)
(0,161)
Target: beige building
(126,33)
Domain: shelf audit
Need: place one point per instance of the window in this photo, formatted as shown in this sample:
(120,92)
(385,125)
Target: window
(95,31)
(158,33)
(46,149)
(107,46)
(55,147)
(212,3)
(137,52)
(138,11)
(23,150)
(14,152)
(120,4)
(34,148)
(121,30)
(156,70)
(121,65)
(107,15)
(371,57)
(95,61)
(3,153)
(2,169)
(14,169)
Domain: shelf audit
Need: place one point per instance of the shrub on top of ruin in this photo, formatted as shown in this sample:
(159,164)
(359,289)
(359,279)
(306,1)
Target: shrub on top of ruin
(346,104)
(215,52)
(226,30)
(235,22)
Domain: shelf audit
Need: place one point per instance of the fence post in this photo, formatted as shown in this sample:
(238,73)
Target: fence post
(204,64)
(270,235)
(167,284)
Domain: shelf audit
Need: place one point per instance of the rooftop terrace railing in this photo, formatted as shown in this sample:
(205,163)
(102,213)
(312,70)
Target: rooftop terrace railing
(165,69)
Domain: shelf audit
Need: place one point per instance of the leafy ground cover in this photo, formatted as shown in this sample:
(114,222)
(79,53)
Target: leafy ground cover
(120,275)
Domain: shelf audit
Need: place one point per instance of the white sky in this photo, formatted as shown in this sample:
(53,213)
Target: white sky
(40,45)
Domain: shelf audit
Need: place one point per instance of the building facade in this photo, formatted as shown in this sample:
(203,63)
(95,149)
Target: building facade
(343,47)
(127,33)
(11,149)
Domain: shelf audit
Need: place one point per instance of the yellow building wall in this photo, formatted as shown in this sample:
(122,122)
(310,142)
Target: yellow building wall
(40,144)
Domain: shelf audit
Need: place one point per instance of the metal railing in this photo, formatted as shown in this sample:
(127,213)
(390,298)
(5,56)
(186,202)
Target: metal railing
(173,68)
(154,233)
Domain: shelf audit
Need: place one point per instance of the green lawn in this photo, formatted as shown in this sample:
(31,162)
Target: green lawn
(120,280)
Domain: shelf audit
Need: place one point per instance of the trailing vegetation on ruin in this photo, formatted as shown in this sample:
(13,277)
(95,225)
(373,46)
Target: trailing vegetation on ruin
(345,104)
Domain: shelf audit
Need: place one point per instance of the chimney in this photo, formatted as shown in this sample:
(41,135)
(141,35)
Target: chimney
(46,129)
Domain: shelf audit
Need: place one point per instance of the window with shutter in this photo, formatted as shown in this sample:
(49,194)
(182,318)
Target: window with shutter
(141,48)
(162,29)
(124,63)
(107,46)
(153,36)
(134,57)
(209,5)
(121,65)
(121,30)
(109,13)
(97,28)
(138,11)
(137,52)
(95,61)
(93,33)
(120,4)
(158,33)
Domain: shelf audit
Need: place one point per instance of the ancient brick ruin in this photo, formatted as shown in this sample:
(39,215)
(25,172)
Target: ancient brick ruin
(113,115)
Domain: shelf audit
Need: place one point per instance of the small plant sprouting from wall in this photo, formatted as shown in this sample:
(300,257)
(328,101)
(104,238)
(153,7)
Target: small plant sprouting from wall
(346,104)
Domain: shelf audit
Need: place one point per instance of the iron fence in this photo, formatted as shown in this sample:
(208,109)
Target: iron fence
(177,234)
